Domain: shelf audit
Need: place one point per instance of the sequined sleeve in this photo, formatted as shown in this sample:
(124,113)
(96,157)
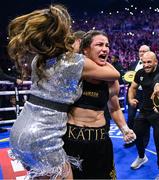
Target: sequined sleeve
(63,84)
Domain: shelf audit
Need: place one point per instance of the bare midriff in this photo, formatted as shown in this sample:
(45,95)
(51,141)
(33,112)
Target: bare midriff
(86,117)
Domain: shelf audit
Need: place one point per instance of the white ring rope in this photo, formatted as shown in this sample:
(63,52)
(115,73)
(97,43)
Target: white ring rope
(7,121)
(9,109)
(26,92)
(3,93)
(8,82)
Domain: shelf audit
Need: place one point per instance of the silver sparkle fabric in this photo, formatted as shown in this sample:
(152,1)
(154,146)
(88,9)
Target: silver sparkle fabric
(36,136)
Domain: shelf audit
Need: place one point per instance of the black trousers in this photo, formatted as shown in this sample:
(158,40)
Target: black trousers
(94,147)
(132,112)
(142,124)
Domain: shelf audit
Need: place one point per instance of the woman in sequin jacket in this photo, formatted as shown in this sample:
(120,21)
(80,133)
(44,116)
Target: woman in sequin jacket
(36,136)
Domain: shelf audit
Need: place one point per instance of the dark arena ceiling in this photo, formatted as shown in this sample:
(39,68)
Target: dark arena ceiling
(12,8)
(77,8)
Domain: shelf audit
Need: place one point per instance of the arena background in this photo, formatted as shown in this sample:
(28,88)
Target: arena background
(133,21)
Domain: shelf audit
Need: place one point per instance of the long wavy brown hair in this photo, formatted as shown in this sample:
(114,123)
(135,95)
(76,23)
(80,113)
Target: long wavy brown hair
(42,32)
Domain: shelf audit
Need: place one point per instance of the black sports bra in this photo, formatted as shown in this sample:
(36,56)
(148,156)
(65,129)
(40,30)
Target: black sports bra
(94,96)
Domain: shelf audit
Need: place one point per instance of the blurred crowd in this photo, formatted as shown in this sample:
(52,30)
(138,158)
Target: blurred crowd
(126,30)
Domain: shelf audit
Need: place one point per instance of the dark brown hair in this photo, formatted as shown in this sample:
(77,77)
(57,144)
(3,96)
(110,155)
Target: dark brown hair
(88,37)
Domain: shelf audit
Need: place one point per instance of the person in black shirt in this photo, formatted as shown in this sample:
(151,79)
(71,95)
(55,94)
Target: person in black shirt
(146,117)
(132,111)
(118,66)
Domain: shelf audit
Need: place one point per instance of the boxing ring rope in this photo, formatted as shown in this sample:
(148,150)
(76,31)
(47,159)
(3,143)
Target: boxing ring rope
(17,92)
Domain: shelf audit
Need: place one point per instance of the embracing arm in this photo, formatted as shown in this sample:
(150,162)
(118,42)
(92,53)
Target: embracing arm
(94,71)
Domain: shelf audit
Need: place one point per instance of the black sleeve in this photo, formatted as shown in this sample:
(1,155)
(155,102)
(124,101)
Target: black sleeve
(156,78)
(5,77)
(121,70)
(137,77)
